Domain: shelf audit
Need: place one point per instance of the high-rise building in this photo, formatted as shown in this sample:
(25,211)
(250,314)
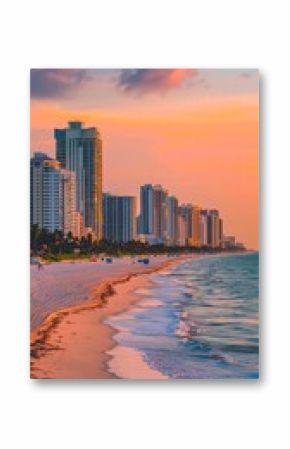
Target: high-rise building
(221,231)
(79,150)
(153,214)
(204,227)
(182,230)
(69,203)
(36,166)
(196,226)
(78,225)
(160,212)
(213,228)
(172,220)
(146,209)
(185,211)
(52,194)
(119,217)
(138,227)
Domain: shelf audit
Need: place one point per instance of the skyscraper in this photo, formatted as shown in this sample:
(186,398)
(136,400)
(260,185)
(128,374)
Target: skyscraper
(213,228)
(153,214)
(52,194)
(204,227)
(146,206)
(119,217)
(172,220)
(160,212)
(221,231)
(69,203)
(36,168)
(79,150)
(185,210)
(182,230)
(196,226)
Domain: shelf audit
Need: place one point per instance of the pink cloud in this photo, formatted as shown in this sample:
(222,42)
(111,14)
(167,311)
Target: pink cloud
(147,80)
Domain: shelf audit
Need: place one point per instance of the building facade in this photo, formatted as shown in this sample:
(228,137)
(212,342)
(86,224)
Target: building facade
(36,168)
(172,220)
(221,231)
(79,150)
(213,229)
(160,213)
(69,203)
(229,242)
(119,218)
(153,212)
(185,211)
(146,209)
(196,219)
(182,230)
(52,195)
(203,227)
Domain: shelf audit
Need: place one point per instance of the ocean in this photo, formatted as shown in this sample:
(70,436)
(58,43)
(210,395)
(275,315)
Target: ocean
(198,321)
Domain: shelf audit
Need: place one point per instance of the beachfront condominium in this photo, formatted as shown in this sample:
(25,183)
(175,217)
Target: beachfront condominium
(185,222)
(68,191)
(182,230)
(52,194)
(146,210)
(221,231)
(196,226)
(204,227)
(160,212)
(172,221)
(213,229)
(119,218)
(229,242)
(189,225)
(153,212)
(79,150)
(36,168)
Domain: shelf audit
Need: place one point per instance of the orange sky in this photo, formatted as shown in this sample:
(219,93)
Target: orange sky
(193,131)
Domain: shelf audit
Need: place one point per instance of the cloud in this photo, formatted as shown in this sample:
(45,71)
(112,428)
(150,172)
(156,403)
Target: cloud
(250,73)
(148,80)
(55,83)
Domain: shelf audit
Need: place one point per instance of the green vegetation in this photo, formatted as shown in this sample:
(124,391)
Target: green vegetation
(54,246)
(65,256)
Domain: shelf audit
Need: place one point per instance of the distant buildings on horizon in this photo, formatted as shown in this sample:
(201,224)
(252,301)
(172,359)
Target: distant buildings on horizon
(66,194)
(163,220)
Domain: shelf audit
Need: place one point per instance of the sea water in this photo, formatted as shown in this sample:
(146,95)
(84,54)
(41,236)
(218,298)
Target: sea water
(199,320)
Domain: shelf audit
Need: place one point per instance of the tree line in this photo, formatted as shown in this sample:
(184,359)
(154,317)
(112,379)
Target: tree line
(55,244)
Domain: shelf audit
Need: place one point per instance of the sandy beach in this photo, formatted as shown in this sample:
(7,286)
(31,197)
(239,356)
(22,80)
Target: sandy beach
(70,302)
(64,284)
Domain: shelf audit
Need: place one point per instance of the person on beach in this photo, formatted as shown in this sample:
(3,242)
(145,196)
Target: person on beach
(40,265)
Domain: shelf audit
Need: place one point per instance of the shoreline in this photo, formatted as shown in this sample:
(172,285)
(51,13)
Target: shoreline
(77,342)
(137,368)
(64,285)
(46,338)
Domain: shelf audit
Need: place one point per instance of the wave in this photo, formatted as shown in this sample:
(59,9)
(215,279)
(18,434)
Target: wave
(205,325)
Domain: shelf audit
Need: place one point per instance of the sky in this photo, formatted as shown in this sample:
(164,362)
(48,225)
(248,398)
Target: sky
(195,131)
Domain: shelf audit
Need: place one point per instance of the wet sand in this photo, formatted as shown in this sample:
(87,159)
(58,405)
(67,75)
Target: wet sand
(73,343)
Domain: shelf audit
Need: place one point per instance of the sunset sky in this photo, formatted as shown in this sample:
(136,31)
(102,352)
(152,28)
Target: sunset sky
(194,131)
